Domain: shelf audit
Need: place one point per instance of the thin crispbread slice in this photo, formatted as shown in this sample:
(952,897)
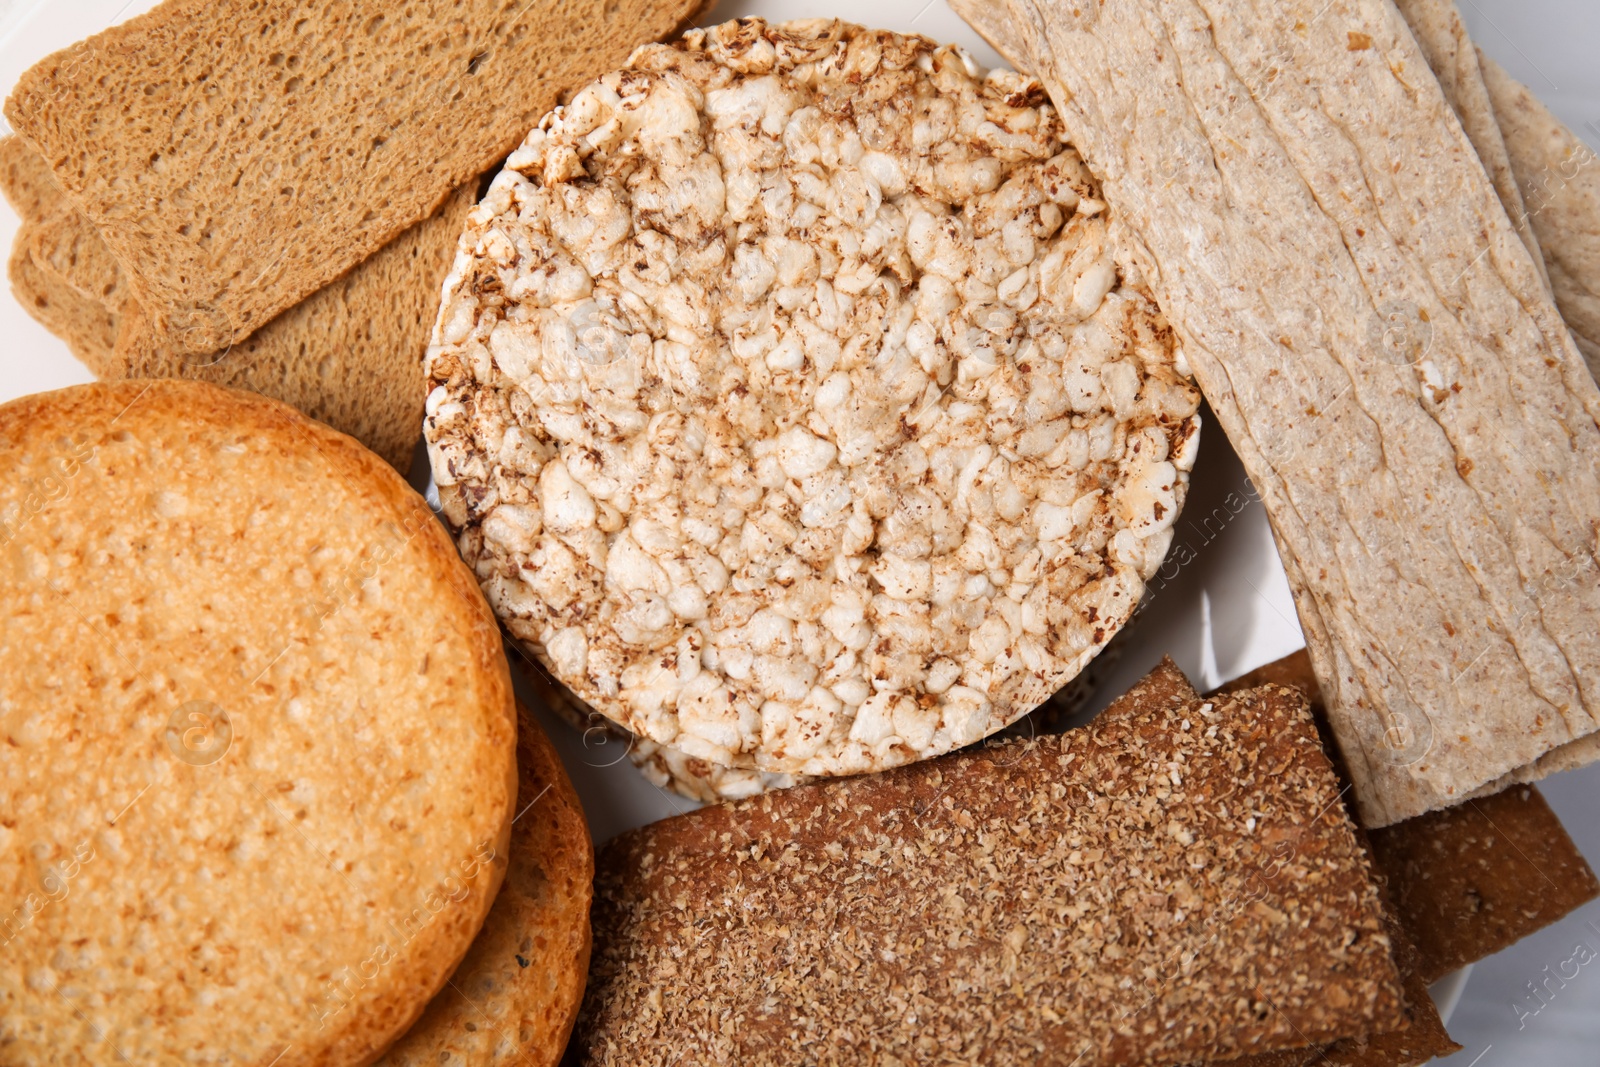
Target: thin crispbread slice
(1399,384)
(85,325)
(238,156)
(1560,180)
(350,355)
(1476,878)
(1470,880)
(27,183)
(1031,901)
(1451,55)
(259,735)
(517,992)
(66,246)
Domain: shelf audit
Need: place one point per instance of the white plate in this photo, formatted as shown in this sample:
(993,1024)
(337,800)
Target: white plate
(1220,607)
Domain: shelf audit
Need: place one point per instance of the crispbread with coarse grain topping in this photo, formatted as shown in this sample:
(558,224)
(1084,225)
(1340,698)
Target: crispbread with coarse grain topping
(1399,384)
(1030,901)
(517,991)
(258,768)
(238,156)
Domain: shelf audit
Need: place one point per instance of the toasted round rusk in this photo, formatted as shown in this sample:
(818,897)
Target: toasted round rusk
(256,736)
(515,996)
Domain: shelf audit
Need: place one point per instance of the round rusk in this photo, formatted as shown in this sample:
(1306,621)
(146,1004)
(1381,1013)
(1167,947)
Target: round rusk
(516,995)
(257,736)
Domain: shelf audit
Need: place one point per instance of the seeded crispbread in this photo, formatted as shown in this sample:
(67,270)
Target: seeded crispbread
(517,992)
(1560,180)
(85,325)
(1406,436)
(1469,880)
(238,156)
(260,734)
(1026,902)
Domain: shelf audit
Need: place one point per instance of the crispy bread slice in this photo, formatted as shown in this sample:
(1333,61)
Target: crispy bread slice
(1406,435)
(1470,880)
(85,325)
(517,992)
(27,183)
(259,760)
(237,156)
(1031,901)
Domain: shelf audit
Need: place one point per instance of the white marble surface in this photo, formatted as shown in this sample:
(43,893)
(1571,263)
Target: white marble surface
(1220,615)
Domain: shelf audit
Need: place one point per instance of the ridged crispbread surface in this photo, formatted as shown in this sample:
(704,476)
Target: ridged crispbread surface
(259,735)
(1175,881)
(350,354)
(517,992)
(1560,180)
(237,156)
(1383,353)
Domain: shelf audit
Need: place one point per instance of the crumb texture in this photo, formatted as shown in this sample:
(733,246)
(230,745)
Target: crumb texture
(1176,881)
(236,156)
(256,735)
(794,405)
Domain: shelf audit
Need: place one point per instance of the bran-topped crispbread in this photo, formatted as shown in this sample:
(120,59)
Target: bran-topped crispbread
(1176,881)
(517,991)
(258,729)
(237,156)
(795,406)
(1396,380)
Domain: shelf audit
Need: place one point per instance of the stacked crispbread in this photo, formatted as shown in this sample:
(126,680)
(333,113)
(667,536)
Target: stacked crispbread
(1031,900)
(1434,439)
(274,207)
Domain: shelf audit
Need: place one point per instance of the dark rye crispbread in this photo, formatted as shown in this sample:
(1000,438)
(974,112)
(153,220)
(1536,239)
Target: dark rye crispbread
(237,156)
(517,991)
(1175,882)
(1470,880)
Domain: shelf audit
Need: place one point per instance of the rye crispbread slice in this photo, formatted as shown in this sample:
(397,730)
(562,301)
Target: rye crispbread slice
(26,181)
(350,354)
(1398,383)
(89,330)
(259,733)
(517,992)
(1031,901)
(1560,180)
(1470,880)
(236,156)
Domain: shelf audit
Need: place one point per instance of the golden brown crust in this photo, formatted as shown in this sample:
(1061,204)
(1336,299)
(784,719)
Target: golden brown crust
(1000,904)
(518,989)
(26,182)
(311,882)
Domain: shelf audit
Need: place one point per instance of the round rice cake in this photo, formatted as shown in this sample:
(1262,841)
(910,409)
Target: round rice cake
(258,759)
(794,403)
(516,994)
